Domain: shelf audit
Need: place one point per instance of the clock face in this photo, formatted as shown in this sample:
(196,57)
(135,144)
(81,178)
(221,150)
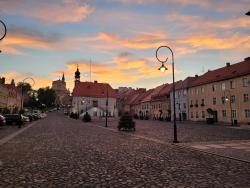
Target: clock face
(3,30)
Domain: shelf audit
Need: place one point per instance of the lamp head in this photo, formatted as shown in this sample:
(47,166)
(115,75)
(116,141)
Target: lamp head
(162,68)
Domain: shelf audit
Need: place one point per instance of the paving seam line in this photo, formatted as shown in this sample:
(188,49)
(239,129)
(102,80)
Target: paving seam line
(179,146)
(13,135)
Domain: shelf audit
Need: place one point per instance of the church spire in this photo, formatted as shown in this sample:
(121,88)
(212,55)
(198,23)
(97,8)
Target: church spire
(77,75)
(63,78)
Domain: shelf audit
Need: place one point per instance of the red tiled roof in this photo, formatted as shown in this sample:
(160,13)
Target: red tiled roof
(224,73)
(164,91)
(140,97)
(90,89)
(185,83)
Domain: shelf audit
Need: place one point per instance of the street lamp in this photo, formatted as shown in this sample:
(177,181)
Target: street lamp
(162,69)
(22,90)
(106,118)
(248,13)
(228,99)
(4,32)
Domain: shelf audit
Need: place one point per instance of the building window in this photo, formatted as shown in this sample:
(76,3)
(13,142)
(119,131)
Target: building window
(232,84)
(203,114)
(247,113)
(197,115)
(245,82)
(223,86)
(95,103)
(223,100)
(214,101)
(234,113)
(202,90)
(192,115)
(202,102)
(185,92)
(224,113)
(233,99)
(197,91)
(184,105)
(245,97)
(213,87)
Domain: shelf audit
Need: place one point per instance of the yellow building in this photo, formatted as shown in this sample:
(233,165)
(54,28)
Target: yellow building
(225,91)
(3,95)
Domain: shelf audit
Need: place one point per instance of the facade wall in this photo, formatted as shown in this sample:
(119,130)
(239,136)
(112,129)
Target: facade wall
(214,96)
(80,104)
(181,104)
(3,97)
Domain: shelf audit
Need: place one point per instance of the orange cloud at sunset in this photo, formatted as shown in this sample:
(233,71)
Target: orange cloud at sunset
(62,13)
(142,41)
(123,69)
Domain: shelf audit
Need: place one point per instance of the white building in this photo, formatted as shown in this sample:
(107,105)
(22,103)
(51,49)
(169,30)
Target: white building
(93,97)
(181,99)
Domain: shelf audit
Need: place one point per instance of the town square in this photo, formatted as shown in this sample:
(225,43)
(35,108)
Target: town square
(124,93)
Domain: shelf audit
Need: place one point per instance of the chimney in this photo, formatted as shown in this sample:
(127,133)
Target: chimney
(228,64)
(196,76)
(95,82)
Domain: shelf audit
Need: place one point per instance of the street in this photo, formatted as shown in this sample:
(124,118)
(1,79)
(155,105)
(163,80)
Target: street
(61,152)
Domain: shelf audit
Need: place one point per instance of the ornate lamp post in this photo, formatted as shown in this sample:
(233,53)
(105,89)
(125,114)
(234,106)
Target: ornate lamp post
(228,99)
(106,118)
(22,89)
(4,32)
(163,68)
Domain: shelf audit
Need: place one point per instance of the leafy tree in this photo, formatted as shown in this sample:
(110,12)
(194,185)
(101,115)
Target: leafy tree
(46,96)
(26,89)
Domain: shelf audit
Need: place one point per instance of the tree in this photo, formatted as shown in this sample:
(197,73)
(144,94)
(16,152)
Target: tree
(46,96)
(26,89)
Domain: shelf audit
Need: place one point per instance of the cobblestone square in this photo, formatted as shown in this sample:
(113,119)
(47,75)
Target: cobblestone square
(62,152)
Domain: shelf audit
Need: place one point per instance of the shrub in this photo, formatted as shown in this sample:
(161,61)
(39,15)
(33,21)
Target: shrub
(86,117)
(126,122)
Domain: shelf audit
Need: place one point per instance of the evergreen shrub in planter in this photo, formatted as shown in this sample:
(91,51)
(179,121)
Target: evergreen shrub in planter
(86,117)
(126,122)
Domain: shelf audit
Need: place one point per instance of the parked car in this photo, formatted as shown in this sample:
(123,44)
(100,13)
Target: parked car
(13,118)
(2,120)
(30,116)
(25,118)
(43,115)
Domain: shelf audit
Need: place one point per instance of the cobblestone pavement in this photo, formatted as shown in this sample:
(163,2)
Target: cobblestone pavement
(195,135)
(7,130)
(187,131)
(61,152)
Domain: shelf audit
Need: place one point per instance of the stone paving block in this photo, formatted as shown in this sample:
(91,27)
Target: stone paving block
(216,146)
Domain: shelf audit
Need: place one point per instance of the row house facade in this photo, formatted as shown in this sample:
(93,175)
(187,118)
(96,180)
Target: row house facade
(225,91)
(10,96)
(161,105)
(181,99)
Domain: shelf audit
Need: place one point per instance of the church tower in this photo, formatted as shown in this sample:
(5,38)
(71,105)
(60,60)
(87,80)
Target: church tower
(77,76)
(63,78)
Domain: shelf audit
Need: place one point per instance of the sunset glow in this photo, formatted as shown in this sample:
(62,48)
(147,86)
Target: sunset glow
(119,37)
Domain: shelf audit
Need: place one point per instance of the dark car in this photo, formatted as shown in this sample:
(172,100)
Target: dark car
(2,120)
(13,118)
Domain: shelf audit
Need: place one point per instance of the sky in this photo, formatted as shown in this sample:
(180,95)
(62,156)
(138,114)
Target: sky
(120,39)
